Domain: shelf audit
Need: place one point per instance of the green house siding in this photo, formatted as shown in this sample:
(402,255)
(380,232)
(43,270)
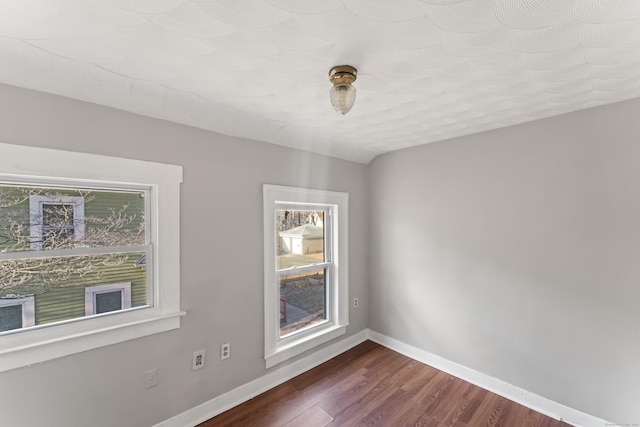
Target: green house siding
(108,217)
(104,203)
(60,304)
(69,303)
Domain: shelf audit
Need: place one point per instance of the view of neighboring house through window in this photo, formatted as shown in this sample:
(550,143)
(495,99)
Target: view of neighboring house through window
(71,252)
(89,252)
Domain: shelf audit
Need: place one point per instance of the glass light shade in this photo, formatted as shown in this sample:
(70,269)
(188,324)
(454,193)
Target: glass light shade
(342,98)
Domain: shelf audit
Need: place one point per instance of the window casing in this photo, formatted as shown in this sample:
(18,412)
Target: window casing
(315,256)
(160,184)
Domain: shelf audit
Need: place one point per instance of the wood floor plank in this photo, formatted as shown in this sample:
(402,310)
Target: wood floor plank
(426,421)
(463,411)
(337,402)
(402,373)
(452,401)
(404,413)
(420,380)
(288,408)
(250,412)
(373,386)
(350,360)
(432,392)
(386,362)
(383,413)
(491,412)
(516,413)
(312,417)
(353,414)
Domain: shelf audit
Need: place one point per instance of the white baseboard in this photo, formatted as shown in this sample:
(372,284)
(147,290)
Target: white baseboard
(501,388)
(217,405)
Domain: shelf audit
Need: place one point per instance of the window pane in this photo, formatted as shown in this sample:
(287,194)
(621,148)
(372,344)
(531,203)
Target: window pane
(108,301)
(57,225)
(58,283)
(49,218)
(302,300)
(299,238)
(10,317)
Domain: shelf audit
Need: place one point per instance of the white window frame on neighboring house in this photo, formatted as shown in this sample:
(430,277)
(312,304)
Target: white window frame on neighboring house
(91,292)
(160,183)
(28,308)
(36,213)
(335,205)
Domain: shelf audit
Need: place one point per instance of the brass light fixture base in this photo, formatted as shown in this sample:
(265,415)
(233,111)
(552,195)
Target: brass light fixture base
(343,75)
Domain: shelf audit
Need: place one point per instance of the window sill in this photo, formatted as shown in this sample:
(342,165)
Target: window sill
(45,343)
(299,346)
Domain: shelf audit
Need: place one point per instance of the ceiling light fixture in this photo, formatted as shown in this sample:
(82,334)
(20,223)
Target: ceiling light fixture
(342,94)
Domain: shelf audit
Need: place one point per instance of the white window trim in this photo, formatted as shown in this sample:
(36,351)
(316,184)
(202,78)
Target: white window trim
(36,213)
(91,292)
(41,343)
(278,349)
(28,308)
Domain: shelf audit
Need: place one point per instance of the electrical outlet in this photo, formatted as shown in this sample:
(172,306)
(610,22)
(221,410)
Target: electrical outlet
(151,378)
(225,351)
(198,359)
(355,303)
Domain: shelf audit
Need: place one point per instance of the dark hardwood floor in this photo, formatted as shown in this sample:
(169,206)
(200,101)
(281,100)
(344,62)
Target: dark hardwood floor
(371,385)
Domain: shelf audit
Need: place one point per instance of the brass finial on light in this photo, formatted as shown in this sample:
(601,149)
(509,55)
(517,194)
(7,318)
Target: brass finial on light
(342,94)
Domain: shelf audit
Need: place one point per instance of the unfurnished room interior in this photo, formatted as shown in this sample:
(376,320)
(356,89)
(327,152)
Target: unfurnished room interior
(319,213)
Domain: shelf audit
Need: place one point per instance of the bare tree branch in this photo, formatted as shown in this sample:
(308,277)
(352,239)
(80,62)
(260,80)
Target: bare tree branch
(120,227)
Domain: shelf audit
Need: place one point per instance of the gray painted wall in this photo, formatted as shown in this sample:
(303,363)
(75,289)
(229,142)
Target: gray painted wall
(516,253)
(222,270)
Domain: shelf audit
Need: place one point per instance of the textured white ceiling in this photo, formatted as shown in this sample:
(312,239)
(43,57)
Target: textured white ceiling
(429,70)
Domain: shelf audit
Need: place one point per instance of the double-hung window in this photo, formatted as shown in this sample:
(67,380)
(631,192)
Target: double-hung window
(106,298)
(16,312)
(306,275)
(89,252)
(55,219)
